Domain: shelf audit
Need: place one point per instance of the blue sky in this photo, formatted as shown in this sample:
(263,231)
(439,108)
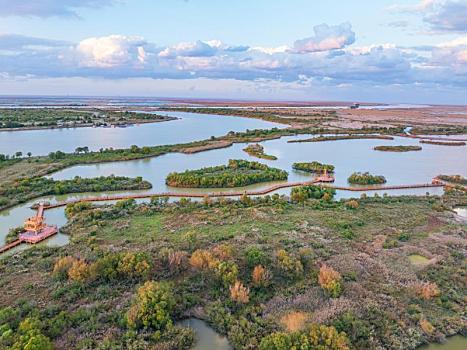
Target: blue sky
(386,50)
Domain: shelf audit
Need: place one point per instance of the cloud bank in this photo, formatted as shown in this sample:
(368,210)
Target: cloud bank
(327,59)
(49,8)
(439,15)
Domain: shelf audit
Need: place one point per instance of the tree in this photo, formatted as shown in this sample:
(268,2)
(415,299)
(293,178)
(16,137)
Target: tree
(79,271)
(239,293)
(260,276)
(31,337)
(318,337)
(29,154)
(288,264)
(18,154)
(62,266)
(152,307)
(330,280)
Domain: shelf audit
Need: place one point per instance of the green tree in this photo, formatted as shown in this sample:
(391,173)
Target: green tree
(152,307)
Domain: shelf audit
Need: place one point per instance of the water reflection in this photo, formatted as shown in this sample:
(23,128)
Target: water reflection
(206,337)
(190,127)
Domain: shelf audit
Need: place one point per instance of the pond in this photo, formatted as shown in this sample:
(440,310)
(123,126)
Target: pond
(189,127)
(206,337)
(418,260)
(457,342)
(461,211)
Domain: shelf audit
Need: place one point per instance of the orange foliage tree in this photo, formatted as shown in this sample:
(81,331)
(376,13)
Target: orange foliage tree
(239,293)
(330,280)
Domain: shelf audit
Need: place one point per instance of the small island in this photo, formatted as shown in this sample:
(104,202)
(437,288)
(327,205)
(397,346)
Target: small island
(313,167)
(256,150)
(323,138)
(366,179)
(399,148)
(455,179)
(236,173)
(18,119)
(444,143)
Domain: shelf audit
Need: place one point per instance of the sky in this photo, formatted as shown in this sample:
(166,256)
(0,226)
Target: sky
(390,51)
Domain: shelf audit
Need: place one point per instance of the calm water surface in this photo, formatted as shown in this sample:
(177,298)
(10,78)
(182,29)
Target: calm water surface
(190,127)
(457,342)
(207,338)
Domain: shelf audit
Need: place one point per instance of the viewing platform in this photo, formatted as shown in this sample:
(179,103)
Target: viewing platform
(35,230)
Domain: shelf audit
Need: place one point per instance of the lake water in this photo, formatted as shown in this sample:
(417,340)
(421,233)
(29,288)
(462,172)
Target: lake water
(347,155)
(189,127)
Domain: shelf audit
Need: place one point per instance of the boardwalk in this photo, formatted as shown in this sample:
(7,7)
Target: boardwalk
(10,246)
(240,193)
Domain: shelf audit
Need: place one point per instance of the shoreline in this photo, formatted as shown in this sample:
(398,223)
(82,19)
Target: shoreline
(135,123)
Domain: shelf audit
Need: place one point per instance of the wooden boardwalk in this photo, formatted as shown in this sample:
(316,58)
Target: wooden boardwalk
(239,193)
(10,246)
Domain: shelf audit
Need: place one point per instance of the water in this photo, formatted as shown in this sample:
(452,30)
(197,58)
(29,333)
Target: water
(462,211)
(418,260)
(347,155)
(207,338)
(457,342)
(190,127)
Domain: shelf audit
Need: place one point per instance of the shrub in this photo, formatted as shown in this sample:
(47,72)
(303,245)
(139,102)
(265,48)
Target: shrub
(62,266)
(239,293)
(255,256)
(152,307)
(327,338)
(79,271)
(260,276)
(366,179)
(313,167)
(427,290)
(318,337)
(177,260)
(134,265)
(426,326)
(227,272)
(302,193)
(223,251)
(202,259)
(352,204)
(330,280)
(290,265)
(31,337)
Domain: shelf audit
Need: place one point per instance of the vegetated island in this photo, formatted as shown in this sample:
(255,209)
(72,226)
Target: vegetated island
(366,178)
(444,143)
(256,150)
(313,167)
(399,148)
(29,188)
(236,173)
(19,166)
(342,137)
(52,118)
(455,179)
(262,271)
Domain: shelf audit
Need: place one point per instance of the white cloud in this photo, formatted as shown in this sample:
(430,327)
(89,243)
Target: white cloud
(120,57)
(326,38)
(111,51)
(440,15)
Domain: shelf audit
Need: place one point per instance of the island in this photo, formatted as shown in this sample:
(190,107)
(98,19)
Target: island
(237,173)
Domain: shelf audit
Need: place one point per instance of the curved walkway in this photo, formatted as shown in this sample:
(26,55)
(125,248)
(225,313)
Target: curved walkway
(240,193)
